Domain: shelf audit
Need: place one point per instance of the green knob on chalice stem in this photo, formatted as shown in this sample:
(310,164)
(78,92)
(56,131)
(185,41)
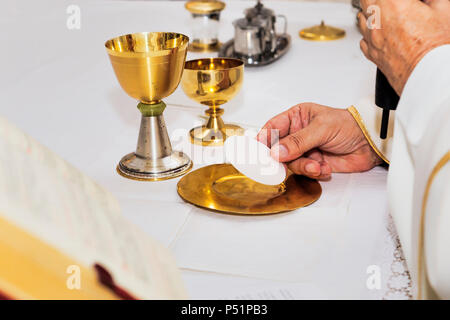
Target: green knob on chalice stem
(151,110)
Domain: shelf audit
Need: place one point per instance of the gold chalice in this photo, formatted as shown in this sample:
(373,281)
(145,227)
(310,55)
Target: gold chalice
(149,66)
(213,82)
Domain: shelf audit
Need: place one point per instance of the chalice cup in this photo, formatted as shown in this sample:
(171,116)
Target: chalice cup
(213,82)
(149,66)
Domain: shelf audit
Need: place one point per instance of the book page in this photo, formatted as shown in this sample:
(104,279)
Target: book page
(45,195)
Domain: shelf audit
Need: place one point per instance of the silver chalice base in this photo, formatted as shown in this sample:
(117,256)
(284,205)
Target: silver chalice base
(134,167)
(154,158)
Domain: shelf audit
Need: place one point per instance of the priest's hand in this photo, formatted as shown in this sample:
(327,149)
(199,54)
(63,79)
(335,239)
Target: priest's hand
(316,140)
(398,33)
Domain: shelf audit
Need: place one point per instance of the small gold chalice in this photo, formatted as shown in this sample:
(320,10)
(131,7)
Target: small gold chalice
(213,82)
(149,66)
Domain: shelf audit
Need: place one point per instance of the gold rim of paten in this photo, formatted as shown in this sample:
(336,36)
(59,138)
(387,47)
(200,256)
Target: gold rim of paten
(420,267)
(364,130)
(155,179)
(322,32)
(204,7)
(163,52)
(197,188)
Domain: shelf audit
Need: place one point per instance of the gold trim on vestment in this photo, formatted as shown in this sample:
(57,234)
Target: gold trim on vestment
(420,267)
(364,130)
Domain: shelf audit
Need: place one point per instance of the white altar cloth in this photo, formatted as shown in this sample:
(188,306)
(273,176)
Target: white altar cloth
(58,85)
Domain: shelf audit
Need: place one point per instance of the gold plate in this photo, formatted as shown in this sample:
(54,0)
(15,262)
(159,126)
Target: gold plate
(322,32)
(204,7)
(220,187)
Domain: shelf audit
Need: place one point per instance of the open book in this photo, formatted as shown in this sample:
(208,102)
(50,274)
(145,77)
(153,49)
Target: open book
(62,236)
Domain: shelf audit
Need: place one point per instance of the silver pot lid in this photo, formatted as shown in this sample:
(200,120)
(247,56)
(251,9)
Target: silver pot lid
(258,12)
(245,24)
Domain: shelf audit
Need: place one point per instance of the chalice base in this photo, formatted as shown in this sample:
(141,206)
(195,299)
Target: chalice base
(135,167)
(214,137)
(204,47)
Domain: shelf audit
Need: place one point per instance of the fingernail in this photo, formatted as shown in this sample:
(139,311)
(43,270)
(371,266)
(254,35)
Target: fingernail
(325,168)
(279,152)
(262,136)
(311,168)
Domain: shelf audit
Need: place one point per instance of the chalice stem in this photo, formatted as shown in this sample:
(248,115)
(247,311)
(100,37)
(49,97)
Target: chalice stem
(154,158)
(215,120)
(153,142)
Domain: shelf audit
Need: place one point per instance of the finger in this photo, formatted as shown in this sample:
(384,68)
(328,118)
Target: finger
(365,48)
(280,123)
(305,167)
(268,136)
(296,122)
(362,25)
(295,145)
(263,136)
(325,167)
(377,40)
(314,154)
(369,52)
(286,122)
(373,39)
(310,168)
(325,170)
(364,4)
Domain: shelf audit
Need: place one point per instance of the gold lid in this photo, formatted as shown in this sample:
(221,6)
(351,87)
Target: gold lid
(204,7)
(322,32)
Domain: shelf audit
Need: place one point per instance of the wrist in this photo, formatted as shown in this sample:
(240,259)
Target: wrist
(375,158)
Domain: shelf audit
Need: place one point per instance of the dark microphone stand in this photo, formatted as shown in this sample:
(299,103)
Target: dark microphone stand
(385,98)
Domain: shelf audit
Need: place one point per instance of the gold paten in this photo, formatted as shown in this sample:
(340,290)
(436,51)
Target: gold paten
(213,82)
(220,187)
(322,32)
(204,7)
(149,66)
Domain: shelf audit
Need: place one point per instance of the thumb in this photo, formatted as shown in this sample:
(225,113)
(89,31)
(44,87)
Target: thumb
(296,144)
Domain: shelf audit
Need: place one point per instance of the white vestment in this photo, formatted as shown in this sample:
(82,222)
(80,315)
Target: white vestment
(418,150)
